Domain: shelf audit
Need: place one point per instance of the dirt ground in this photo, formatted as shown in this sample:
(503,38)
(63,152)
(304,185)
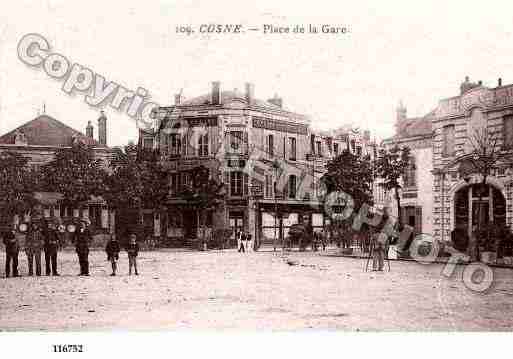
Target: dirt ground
(254,291)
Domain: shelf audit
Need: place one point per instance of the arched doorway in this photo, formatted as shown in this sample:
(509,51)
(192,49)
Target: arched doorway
(479,204)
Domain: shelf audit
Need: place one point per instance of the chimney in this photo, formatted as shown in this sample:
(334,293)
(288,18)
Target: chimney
(178,99)
(102,129)
(366,135)
(499,82)
(400,116)
(89,130)
(276,101)
(480,83)
(216,93)
(250,93)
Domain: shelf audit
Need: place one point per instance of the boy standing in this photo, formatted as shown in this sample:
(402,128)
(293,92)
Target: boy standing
(132,250)
(11,253)
(112,250)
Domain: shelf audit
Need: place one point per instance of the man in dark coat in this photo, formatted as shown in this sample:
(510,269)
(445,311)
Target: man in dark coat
(34,244)
(12,249)
(82,239)
(51,248)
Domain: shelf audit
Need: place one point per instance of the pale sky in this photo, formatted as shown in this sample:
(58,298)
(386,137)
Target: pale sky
(415,51)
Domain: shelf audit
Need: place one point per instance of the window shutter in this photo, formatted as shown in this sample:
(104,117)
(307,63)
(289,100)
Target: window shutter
(245,184)
(227,140)
(227,182)
(246,143)
(418,219)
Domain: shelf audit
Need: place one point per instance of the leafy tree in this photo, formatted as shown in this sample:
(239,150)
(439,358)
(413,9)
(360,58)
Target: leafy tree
(352,174)
(137,181)
(76,174)
(16,186)
(204,193)
(390,167)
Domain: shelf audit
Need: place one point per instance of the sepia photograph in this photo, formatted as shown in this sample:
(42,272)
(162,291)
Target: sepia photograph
(329,170)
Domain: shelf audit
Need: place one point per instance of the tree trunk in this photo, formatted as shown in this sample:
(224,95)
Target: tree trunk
(398,202)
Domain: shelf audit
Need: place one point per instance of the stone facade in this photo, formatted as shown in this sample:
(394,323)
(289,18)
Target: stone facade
(446,195)
(243,136)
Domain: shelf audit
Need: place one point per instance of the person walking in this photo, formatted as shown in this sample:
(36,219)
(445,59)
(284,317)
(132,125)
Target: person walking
(133,251)
(12,249)
(241,240)
(34,244)
(112,250)
(82,240)
(51,247)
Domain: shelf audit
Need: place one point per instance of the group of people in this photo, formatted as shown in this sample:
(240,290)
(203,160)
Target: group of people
(44,237)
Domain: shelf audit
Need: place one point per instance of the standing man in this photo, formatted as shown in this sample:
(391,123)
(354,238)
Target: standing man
(34,244)
(82,239)
(51,248)
(241,240)
(12,249)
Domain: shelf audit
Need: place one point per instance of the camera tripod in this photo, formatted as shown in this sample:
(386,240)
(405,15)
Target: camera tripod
(371,250)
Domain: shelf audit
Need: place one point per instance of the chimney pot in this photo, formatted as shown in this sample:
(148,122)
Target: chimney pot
(89,130)
(250,93)
(102,129)
(178,99)
(216,93)
(480,83)
(499,82)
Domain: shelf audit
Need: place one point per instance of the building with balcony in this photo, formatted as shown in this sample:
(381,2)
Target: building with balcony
(239,138)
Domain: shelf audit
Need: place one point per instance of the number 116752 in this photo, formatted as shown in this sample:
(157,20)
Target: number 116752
(67,348)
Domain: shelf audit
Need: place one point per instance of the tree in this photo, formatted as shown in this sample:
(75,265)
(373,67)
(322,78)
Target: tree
(390,166)
(137,181)
(204,193)
(76,174)
(484,155)
(353,175)
(16,186)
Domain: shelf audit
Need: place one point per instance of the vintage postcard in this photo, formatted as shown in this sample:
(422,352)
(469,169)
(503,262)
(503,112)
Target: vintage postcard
(253,167)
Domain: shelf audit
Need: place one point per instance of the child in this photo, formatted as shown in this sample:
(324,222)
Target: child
(132,250)
(378,251)
(112,250)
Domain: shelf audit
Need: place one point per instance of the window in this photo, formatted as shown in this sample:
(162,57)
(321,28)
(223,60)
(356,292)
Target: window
(292,186)
(148,143)
(319,148)
(358,150)
(268,186)
(236,183)
(292,156)
(353,146)
(409,174)
(236,140)
(507,125)
(335,148)
(175,182)
(95,215)
(270,145)
(176,144)
(203,145)
(448,141)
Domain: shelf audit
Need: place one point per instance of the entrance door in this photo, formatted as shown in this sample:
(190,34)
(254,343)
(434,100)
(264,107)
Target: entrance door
(236,224)
(190,223)
(480,212)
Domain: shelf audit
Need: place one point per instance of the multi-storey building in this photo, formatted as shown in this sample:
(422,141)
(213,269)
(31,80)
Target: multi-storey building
(237,137)
(38,140)
(417,182)
(441,192)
